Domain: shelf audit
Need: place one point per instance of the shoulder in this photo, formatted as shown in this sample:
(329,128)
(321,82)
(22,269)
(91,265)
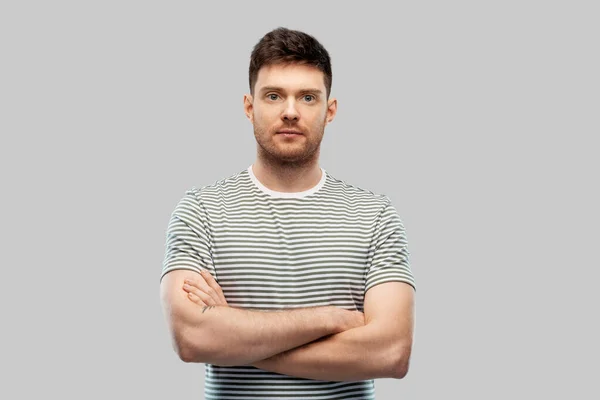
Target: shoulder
(196,197)
(358,195)
(232,183)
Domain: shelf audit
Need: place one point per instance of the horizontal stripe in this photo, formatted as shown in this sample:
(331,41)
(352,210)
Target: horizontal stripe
(326,246)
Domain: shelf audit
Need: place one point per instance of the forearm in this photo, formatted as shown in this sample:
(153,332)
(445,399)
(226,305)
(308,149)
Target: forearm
(356,354)
(226,336)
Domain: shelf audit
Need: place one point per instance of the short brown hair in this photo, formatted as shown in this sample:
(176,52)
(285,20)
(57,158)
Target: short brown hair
(286,46)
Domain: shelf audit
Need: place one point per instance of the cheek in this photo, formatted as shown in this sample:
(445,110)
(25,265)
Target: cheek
(262,117)
(319,118)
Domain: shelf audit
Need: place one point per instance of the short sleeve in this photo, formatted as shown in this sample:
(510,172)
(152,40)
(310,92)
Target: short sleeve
(390,260)
(188,244)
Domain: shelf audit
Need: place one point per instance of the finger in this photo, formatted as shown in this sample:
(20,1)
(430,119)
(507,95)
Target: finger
(195,291)
(206,288)
(201,284)
(214,285)
(198,281)
(195,299)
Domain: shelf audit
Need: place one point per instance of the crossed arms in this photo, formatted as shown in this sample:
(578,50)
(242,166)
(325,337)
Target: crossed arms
(325,343)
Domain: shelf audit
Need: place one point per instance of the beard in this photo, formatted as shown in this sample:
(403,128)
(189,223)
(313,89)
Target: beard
(293,152)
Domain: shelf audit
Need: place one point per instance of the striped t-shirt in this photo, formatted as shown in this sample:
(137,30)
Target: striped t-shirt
(273,250)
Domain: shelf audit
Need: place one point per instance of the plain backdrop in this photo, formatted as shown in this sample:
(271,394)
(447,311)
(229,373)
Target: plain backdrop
(479,119)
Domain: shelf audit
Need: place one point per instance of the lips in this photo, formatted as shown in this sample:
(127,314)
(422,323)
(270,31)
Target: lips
(290,131)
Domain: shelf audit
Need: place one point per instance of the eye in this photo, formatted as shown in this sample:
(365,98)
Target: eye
(272,96)
(308,98)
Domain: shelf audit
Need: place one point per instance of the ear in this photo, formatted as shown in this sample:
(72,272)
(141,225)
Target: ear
(331,110)
(248,107)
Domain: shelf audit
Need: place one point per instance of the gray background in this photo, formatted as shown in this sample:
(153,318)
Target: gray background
(479,120)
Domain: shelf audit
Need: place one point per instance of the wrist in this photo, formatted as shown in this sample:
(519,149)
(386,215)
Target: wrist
(334,319)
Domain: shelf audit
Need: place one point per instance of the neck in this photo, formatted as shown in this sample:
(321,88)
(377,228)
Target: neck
(287,176)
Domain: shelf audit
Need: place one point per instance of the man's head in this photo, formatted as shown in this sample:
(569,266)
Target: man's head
(290,82)
(286,46)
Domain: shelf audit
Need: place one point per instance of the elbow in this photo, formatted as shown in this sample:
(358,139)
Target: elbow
(186,350)
(401,365)
(186,354)
(401,369)
(190,351)
(183,349)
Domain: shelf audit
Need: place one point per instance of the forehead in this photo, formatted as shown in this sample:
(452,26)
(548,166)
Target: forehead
(290,77)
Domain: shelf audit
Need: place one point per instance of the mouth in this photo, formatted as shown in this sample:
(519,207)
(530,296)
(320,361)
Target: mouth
(289,132)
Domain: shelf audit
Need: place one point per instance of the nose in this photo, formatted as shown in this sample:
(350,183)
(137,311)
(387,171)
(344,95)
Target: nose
(290,113)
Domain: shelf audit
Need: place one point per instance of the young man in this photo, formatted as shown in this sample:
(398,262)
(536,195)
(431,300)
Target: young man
(284,280)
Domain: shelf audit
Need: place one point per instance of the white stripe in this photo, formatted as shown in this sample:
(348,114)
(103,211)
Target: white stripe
(268,250)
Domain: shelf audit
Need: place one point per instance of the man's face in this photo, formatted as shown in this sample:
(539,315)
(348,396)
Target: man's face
(289,97)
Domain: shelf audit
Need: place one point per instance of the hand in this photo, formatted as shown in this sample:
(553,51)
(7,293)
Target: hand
(351,319)
(205,291)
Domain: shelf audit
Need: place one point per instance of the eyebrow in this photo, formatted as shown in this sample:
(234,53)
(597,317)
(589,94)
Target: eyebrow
(280,89)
